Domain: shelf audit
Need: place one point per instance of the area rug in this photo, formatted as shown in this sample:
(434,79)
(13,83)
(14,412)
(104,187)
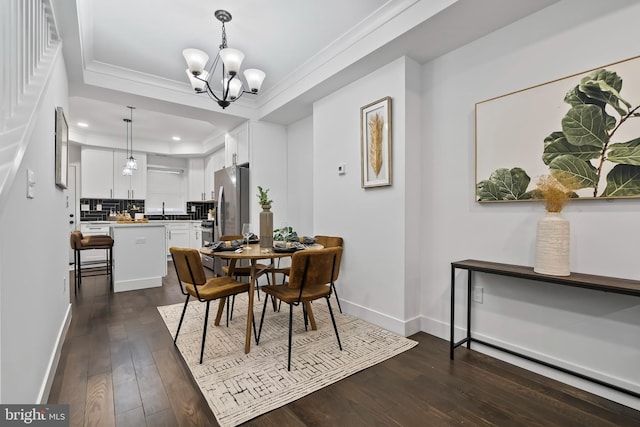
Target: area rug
(239,386)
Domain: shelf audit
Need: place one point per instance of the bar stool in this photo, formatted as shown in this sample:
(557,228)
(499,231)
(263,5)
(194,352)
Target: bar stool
(81,243)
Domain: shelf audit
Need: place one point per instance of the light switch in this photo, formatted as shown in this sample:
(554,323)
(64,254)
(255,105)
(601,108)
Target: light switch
(342,168)
(31,184)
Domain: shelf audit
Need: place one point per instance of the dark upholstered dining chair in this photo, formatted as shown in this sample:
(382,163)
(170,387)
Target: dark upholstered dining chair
(310,278)
(194,283)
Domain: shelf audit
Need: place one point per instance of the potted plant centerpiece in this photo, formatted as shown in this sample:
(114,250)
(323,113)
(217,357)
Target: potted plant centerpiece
(266,218)
(263,198)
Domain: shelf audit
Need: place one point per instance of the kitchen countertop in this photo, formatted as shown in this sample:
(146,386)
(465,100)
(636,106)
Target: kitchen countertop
(151,221)
(136,224)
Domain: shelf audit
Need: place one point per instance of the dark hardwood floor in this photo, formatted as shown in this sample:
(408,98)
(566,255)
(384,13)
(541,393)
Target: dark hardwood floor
(119,367)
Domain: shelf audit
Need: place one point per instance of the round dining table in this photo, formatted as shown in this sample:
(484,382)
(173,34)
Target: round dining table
(253,252)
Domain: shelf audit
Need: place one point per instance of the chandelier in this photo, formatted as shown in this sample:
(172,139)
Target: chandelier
(130,164)
(232,85)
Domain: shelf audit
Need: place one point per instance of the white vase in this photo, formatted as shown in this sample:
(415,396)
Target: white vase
(552,245)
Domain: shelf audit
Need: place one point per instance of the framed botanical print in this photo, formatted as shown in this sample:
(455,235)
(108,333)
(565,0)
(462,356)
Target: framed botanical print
(375,136)
(582,130)
(62,149)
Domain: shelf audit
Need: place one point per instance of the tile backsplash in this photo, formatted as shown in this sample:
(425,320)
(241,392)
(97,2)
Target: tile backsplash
(119,205)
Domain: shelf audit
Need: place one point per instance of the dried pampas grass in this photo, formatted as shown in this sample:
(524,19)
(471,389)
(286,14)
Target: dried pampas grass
(555,194)
(375,150)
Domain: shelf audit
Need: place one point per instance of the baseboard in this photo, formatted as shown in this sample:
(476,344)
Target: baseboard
(393,324)
(136,284)
(45,389)
(435,327)
(441,330)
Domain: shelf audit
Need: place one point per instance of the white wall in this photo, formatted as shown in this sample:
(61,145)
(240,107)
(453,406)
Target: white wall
(413,181)
(591,332)
(267,158)
(373,283)
(299,163)
(34,259)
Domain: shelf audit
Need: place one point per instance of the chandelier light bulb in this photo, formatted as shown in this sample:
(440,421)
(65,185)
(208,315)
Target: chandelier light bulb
(235,87)
(254,78)
(198,84)
(232,60)
(196,60)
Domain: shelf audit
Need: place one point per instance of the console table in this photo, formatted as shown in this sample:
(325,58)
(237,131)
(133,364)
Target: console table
(588,281)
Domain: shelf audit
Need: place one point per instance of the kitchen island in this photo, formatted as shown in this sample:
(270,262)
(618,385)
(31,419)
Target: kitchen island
(139,255)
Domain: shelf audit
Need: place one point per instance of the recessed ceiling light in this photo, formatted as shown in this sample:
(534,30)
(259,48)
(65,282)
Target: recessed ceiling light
(176,138)
(83,124)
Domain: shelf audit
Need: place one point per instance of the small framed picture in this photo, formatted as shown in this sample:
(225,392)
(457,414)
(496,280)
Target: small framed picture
(62,149)
(375,135)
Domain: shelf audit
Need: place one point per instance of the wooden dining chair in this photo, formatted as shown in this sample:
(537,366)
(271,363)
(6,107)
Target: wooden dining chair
(311,275)
(327,242)
(194,283)
(332,242)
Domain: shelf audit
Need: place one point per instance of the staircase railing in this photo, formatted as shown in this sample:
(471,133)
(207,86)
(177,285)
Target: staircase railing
(29,43)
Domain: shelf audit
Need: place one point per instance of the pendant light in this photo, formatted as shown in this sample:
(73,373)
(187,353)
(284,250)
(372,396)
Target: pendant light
(126,170)
(130,164)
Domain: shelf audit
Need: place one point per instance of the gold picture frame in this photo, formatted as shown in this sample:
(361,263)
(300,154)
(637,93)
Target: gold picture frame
(575,128)
(375,143)
(62,149)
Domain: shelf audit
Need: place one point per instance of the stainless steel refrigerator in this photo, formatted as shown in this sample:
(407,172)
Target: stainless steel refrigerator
(232,203)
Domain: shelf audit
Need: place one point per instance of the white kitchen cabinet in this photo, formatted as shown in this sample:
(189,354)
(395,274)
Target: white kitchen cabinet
(101,175)
(210,166)
(96,173)
(178,235)
(129,187)
(242,138)
(195,236)
(215,163)
(139,178)
(196,181)
(217,160)
(236,144)
(230,151)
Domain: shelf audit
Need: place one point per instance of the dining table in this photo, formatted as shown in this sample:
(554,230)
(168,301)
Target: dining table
(253,252)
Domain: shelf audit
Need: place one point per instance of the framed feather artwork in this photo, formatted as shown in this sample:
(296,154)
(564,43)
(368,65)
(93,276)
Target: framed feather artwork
(375,136)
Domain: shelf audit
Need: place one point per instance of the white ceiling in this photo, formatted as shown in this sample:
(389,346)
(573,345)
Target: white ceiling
(123,52)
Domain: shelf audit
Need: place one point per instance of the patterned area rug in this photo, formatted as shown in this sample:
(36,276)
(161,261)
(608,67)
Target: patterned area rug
(241,386)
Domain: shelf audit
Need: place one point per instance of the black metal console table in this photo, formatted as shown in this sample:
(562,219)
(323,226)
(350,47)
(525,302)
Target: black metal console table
(588,281)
